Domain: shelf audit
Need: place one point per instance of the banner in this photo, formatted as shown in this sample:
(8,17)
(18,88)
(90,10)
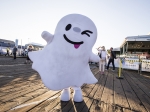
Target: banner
(133,64)
(146,65)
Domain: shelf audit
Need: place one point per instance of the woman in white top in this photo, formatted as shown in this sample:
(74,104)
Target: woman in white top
(102,54)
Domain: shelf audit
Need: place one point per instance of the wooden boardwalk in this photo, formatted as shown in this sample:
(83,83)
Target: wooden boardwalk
(21,90)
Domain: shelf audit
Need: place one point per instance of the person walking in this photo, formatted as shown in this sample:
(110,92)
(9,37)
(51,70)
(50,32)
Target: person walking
(29,50)
(7,52)
(14,52)
(102,55)
(111,58)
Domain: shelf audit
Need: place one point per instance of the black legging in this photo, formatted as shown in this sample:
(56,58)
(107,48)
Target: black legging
(7,54)
(14,55)
(111,60)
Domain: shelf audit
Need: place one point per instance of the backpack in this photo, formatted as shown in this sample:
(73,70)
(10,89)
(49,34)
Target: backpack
(100,55)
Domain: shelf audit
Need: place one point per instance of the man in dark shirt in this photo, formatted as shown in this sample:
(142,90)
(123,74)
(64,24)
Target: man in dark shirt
(14,52)
(111,59)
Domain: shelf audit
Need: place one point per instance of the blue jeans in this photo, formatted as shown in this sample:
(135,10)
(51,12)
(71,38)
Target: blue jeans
(111,61)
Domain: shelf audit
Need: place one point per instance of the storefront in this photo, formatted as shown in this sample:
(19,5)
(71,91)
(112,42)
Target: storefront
(136,46)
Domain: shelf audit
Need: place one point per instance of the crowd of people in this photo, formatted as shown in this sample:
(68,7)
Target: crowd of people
(101,52)
(103,55)
(15,50)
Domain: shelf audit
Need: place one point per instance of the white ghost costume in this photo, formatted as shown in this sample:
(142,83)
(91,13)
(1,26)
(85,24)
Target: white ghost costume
(63,62)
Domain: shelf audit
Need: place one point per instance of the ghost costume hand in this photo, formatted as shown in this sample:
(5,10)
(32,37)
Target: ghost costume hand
(94,58)
(47,36)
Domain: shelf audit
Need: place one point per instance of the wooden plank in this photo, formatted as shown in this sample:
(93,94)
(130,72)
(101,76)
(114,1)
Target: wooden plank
(145,100)
(97,103)
(101,85)
(60,106)
(11,104)
(144,88)
(47,105)
(13,80)
(37,92)
(15,84)
(77,107)
(33,102)
(131,96)
(108,94)
(7,106)
(16,87)
(19,93)
(141,78)
(67,107)
(52,105)
(119,95)
(88,104)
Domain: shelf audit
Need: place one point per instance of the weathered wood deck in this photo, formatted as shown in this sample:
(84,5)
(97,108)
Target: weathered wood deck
(21,90)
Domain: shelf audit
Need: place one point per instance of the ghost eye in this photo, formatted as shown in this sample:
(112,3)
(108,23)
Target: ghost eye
(86,32)
(68,27)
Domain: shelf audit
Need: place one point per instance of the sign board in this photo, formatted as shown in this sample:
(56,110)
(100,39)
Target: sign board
(133,64)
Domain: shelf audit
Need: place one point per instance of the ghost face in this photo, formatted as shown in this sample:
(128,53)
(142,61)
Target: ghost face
(76,32)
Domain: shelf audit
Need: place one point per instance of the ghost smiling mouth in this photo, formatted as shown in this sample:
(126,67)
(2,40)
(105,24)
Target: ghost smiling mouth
(76,44)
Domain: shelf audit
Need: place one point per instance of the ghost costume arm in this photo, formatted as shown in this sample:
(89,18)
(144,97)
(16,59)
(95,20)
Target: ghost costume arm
(47,36)
(94,58)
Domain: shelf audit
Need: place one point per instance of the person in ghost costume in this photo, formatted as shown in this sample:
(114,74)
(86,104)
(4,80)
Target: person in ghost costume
(63,63)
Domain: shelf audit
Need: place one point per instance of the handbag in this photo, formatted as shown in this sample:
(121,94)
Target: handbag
(100,55)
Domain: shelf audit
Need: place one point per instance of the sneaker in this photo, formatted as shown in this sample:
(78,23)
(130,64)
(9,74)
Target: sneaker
(65,94)
(77,95)
(113,70)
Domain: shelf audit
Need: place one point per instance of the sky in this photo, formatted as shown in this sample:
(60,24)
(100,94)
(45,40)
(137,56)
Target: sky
(115,19)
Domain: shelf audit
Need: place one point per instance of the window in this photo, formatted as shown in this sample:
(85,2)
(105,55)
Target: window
(19,46)
(12,45)
(4,45)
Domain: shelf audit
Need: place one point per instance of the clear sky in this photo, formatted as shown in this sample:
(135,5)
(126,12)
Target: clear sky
(114,19)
